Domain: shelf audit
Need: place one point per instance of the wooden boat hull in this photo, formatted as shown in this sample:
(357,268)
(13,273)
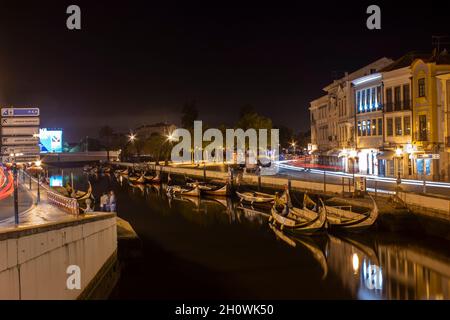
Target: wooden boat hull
(222,191)
(255,197)
(338,220)
(297,225)
(139,180)
(194,192)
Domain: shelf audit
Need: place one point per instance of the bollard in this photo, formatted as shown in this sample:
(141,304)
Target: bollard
(30,181)
(38,198)
(16,195)
(259,183)
(289,185)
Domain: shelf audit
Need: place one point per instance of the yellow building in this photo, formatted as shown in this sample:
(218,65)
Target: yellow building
(429,116)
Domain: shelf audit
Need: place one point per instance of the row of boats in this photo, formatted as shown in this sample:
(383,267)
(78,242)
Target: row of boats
(309,218)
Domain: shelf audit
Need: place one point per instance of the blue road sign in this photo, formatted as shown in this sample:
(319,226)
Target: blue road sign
(20,112)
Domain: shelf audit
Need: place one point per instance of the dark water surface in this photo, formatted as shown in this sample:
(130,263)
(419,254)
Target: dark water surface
(209,248)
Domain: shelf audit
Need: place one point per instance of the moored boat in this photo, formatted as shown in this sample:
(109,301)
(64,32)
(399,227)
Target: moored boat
(343,218)
(255,197)
(297,220)
(137,179)
(185,191)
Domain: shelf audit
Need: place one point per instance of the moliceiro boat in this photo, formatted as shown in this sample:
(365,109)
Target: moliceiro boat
(340,217)
(255,197)
(194,192)
(299,220)
(137,179)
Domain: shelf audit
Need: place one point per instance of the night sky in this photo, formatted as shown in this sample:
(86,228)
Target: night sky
(138,62)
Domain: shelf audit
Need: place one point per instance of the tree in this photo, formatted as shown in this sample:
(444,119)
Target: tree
(105,134)
(286,136)
(189,115)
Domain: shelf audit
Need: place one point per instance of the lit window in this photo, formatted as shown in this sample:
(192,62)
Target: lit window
(421,85)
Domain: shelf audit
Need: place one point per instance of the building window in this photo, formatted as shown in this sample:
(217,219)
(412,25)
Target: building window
(380,126)
(407,125)
(388,99)
(374,127)
(359,128)
(372,102)
(364,128)
(369,131)
(378,103)
(367,99)
(363,101)
(389,128)
(397,99)
(423,127)
(406,97)
(398,126)
(421,85)
(358,102)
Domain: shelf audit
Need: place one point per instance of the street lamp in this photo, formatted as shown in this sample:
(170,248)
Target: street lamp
(293,144)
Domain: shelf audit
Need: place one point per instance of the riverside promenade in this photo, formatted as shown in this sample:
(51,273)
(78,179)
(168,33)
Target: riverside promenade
(51,239)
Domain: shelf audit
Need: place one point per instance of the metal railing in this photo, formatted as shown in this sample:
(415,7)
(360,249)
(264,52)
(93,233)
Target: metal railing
(56,199)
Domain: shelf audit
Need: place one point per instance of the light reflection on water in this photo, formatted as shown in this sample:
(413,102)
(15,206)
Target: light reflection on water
(370,265)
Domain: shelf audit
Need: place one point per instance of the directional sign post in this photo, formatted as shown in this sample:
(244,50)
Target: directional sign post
(20,132)
(25,121)
(20,112)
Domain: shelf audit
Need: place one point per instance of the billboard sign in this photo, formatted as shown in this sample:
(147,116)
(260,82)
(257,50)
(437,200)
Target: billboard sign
(51,140)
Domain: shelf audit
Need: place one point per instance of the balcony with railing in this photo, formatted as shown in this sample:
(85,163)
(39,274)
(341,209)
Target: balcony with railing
(397,106)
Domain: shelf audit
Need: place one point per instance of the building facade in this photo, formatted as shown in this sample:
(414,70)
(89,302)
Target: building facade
(390,118)
(333,133)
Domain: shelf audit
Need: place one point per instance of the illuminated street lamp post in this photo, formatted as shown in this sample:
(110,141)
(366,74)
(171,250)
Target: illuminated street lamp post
(293,145)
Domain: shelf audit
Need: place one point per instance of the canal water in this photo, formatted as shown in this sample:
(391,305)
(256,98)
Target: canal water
(210,248)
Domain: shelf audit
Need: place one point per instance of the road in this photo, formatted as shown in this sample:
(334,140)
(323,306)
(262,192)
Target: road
(381,184)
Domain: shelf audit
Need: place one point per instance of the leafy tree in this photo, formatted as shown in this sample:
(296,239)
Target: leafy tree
(189,115)
(105,134)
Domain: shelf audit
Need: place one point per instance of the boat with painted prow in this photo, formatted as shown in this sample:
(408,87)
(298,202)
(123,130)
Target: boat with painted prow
(301,221)
(343,218)
(137,179)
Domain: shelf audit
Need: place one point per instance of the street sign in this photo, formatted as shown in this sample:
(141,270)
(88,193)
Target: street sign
(27,150)
(8,159)
(12,122)
(12,141)
(20,131)
(20,112)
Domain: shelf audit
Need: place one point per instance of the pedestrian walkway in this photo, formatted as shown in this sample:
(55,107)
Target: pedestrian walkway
(31,214)
(7,204)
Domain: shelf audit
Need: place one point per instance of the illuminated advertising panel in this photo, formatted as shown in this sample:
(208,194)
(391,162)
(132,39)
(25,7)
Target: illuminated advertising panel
(50,140)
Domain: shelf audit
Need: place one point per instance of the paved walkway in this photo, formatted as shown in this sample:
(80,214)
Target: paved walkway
(7,204)
(31,214)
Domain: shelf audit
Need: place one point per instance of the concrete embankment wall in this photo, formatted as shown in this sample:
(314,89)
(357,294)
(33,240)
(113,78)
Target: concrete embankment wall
(34,260)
